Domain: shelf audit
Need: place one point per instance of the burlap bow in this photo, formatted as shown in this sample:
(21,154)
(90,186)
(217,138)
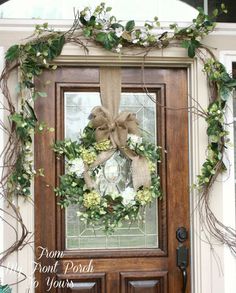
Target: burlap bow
(108,124)
(117,129)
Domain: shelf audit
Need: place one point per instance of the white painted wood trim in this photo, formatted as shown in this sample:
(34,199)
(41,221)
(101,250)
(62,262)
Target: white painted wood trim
(1,163)
(27,25)
(229,196)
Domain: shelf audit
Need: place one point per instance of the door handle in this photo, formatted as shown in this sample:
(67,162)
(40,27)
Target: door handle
(182,256)
(185,278)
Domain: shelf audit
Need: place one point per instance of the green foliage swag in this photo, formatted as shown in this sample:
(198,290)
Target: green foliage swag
(105,30)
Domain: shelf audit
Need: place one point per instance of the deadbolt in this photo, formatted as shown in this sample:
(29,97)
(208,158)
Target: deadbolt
(181,234)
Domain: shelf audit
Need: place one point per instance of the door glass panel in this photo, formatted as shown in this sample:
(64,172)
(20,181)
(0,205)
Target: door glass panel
(114,176)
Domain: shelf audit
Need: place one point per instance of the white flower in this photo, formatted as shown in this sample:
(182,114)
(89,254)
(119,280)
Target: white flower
(118,48)
(87,16)
(135,41)
(106,16)
(143,35)
(119,31)
(128,196)
(145,44)
(135,138)
(77,166)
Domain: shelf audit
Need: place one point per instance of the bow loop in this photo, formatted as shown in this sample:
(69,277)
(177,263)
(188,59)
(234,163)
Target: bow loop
(116,129)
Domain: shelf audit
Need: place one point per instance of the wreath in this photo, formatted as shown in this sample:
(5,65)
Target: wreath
(100,140)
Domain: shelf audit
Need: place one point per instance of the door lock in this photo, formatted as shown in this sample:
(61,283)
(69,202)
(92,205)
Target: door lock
(181,234)
(182,255)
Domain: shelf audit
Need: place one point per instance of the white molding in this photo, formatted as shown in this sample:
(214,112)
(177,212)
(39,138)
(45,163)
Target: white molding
(28,25)
(1,164)
(229,196)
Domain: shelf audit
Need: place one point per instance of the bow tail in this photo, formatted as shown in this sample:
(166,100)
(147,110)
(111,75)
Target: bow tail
(141,174)
(140,169)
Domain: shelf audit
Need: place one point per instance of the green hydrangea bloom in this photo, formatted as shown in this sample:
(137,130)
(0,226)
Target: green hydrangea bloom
(88,156)
(144,196)
(103,145)
(91,199)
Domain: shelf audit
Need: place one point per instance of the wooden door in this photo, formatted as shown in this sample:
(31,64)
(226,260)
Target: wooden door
(139,259)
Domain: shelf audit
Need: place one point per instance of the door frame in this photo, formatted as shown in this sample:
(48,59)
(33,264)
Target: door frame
(70,58)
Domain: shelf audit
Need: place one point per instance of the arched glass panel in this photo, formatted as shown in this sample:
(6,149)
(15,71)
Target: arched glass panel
(168,10)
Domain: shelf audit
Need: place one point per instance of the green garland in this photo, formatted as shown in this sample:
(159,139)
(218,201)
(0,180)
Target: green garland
(46,44)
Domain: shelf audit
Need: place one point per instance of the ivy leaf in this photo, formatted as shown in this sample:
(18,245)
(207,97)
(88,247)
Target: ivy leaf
(92,21)
(83,21)
(108,9)
(231,83)
(28,84)
(215,12)
(42,94)
(12,53)
(191,50)
(100,37)
(17,118)
(185,44)
(56,47)
(108,40)
(116,25)
(87,32)
(191,45)
(31,111)
(130,25)
(224,93)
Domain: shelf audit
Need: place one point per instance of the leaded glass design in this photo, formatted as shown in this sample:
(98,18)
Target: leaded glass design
(114,176)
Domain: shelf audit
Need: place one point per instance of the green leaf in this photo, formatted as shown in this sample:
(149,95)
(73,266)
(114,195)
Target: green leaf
(83,21)
(224,93)
(87,32)
(108,40)
(92,21)
(108,9)
(12,53)
(130,25)
(185,44)
(42,94)
(31,111)
(231,83)
(191,50)
(116,25)
(100,37)
(17,118)
(222,6)
(191,46)
(215,12)
(56,47)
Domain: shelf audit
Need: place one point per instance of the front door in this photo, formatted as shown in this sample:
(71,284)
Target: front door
(139,257)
